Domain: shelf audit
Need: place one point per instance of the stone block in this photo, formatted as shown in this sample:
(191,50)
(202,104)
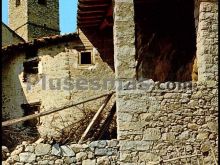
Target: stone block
(42,149)
(67,151)
(104,160)
(152,134)
(27,157)
(89,162)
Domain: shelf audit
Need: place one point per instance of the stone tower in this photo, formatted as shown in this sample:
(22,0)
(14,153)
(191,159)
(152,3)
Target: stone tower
(34,18)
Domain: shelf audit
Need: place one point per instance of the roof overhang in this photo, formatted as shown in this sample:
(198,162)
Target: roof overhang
(94,14)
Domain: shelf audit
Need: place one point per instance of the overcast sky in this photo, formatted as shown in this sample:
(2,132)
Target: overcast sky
(68,9)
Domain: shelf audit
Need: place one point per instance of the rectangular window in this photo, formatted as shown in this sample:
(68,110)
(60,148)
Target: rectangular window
(85,58)
(42,2)
(18,2)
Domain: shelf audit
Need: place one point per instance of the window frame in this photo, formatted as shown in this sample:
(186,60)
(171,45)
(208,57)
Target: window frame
(85,65)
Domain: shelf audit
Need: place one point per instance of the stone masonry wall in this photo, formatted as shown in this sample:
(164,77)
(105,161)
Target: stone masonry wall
(157,124)
(59,69)
(94,153)
(56,85)
(207,42)
(12,92)
(29,13)
(8,37)
(160,124)
(15,21)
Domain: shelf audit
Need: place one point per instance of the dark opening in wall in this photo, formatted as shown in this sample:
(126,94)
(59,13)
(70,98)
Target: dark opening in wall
(165,40)
(42,2)
(30,68)
(30,109)
(85,58)
(18,2)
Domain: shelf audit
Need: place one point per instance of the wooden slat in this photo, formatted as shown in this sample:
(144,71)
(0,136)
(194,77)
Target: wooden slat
(92,6)
(91,22)
(91,12)
(93,1)
(84,26)
(89,17)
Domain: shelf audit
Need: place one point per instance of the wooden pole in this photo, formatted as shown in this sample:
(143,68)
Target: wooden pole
(94,118)
(51,110)
(107,122)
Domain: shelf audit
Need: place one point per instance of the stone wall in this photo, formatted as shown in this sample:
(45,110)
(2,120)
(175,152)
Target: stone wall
(29,13)
(56,85)
(160,124)
(9,37)
(94,153)
(12,92)
(207,42)
(157,124)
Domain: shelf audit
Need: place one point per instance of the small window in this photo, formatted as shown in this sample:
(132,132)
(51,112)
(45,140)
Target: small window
(85,58)
(18,2)
(42,2)
(30,68)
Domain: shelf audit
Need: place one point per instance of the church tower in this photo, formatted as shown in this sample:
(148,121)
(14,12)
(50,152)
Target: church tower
(34,18)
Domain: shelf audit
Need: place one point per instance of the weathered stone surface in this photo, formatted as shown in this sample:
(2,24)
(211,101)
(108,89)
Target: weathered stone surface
(27,157)
(104,160)
(193,126)
(143,156)
(69,160)
(43,162)
(81,156)
(42,149)
(112,143)
(76,147)
(184,135)
(89,162)
(67,151)
(205,147)
(213,126)
(101,151)
(168,136)
(152,134)
(202,136)
(98,144)
(29,148)
(56,150)
(59,161)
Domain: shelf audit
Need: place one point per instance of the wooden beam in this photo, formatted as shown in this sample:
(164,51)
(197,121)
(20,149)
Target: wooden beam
(93,1)
(90,12)
(92,6)
(85,26)
(89,20)
(51,110)
(89,17)
(91,124)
